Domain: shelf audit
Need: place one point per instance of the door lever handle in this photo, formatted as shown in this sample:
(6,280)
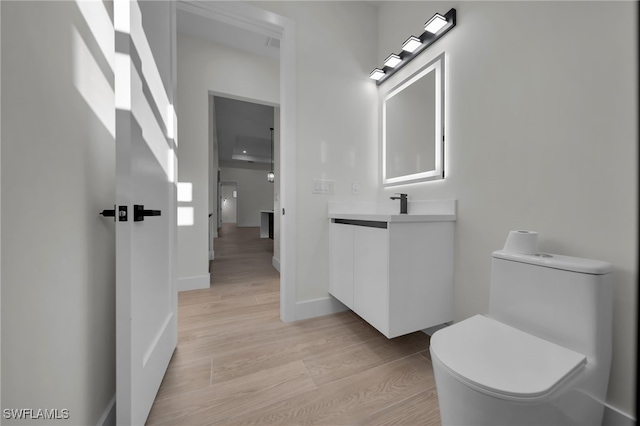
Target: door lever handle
(139,213)
(109,213)
(122,213)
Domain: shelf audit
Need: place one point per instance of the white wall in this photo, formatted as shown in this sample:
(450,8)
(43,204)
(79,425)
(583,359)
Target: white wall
(58,173)
(336,122)
(542,134)
(0,208)
(205,68)
(255,193)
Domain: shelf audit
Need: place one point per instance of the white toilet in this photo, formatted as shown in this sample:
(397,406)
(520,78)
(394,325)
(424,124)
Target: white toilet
(542,354)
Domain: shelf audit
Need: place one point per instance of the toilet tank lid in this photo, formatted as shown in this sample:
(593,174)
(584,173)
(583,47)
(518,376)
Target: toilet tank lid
(558,261)
(503,360)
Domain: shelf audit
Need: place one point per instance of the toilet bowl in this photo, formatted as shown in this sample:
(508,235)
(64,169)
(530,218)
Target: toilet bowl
(542,354)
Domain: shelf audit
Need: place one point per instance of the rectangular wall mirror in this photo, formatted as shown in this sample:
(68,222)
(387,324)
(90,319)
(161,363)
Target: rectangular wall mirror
(412,117)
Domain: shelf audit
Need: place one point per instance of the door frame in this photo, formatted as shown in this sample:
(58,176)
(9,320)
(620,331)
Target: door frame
(254,19)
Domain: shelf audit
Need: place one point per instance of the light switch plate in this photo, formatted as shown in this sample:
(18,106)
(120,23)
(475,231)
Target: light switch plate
(323,186)
(355,189)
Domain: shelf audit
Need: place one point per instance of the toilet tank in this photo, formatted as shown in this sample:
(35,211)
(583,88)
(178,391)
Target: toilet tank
(566,300)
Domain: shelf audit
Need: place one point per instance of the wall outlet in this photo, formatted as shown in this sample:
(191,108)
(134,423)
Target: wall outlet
(355,189)
(323,186)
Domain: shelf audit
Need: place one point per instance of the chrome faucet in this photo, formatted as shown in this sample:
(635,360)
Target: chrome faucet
(403,202)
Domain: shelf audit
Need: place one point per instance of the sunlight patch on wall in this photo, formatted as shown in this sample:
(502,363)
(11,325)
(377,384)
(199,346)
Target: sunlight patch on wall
(185,192)
(122,16)
(171,164)
(123,81)
(99,23)
(152,133)
(149,68)
(185,216)
(92,84)
(131,83)
(171,125)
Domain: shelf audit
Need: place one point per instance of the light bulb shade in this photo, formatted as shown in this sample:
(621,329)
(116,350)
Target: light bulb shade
(411,44)
(271,176)
(435,24)
(392,60)
(376,74)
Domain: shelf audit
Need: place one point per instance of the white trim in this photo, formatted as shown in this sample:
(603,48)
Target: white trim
(108,417)
(212,255)
(318,307)
(264,22)
(614,417)
(276,263)
(194,283)
(0,220)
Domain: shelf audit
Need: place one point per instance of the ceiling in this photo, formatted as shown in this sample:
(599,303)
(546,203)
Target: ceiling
(243,130)
(244,138)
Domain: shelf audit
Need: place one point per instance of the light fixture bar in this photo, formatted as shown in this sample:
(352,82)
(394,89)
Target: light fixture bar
(426,39)
(435,24)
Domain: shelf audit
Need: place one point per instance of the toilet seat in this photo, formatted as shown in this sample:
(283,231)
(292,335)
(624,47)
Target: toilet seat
(501,360)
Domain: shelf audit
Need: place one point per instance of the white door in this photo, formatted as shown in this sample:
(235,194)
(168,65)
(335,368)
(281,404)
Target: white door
(146,295)
(228,195)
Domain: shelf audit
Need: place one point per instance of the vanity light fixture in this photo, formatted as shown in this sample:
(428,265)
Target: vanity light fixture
(434,28)
(411,44)
(392,60)
(435,24)
(376,74)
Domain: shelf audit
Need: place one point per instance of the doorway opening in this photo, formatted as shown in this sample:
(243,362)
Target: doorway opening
(223,15)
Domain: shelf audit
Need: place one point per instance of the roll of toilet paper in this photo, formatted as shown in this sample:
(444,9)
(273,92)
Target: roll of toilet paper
(521,242)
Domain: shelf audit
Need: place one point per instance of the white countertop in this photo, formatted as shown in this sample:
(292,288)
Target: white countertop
(419,211)
(394,218)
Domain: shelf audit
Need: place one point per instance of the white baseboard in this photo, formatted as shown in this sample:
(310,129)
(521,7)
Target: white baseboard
(614,417)
(276,263)
(194,283)
(108,418)
(212,255)
(317,308)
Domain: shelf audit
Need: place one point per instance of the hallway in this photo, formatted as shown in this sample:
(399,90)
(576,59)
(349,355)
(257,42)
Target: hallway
(237,363)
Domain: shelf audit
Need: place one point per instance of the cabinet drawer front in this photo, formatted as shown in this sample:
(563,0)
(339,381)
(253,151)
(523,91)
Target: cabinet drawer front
(370,276)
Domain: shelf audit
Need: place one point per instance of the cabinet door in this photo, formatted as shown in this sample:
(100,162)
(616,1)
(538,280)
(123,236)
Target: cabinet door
(371,277)
(341,263)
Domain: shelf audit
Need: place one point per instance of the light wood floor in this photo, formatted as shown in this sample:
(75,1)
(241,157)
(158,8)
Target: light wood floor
(237,363)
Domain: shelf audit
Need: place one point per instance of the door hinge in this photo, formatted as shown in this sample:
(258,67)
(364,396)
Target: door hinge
(283,211)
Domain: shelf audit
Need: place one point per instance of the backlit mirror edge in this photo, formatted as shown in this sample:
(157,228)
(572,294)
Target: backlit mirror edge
(437,64)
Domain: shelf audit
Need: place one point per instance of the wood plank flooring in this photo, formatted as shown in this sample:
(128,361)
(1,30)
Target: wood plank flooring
(236,363)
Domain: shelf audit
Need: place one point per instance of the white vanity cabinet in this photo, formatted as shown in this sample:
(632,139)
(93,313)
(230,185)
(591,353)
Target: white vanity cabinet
(394,272)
